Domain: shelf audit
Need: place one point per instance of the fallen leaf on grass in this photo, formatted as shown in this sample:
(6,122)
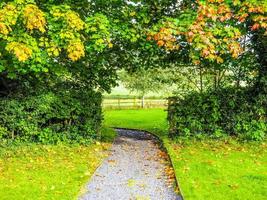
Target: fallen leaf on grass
(233,186)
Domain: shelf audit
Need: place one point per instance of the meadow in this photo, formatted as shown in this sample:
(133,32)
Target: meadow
(50,172)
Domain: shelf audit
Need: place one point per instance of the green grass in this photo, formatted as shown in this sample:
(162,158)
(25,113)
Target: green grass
(207,169)
(153,120)
(221,170)
(48,172)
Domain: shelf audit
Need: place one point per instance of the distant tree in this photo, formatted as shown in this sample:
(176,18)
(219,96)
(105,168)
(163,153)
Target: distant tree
(143,81)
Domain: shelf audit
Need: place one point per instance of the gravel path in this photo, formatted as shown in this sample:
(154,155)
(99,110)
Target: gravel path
(135,170)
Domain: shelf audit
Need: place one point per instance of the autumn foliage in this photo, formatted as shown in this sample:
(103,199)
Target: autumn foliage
(215,31)
(31,36)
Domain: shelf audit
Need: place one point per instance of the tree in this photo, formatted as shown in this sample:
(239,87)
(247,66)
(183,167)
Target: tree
(143,81)
(213,34)
(44,40)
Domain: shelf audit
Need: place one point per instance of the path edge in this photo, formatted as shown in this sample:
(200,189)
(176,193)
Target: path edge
(81,194)
(164,148)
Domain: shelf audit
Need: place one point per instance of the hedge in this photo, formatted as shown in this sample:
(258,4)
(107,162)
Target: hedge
(63,115)
(218,113)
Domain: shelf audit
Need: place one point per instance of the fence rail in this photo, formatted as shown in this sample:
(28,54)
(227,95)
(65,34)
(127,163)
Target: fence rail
(121,103)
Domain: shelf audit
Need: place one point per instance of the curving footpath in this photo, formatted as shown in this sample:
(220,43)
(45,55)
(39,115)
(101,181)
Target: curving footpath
(133,171)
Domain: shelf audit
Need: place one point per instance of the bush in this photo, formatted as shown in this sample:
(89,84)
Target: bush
(51,116)
(218,113)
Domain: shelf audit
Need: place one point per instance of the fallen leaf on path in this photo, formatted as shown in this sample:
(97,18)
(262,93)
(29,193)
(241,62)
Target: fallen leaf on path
(131,183)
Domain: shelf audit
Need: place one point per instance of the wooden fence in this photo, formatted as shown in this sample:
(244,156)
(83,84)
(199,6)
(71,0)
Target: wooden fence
(121,103)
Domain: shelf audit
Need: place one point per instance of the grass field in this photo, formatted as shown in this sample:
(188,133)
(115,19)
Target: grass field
(207,169)
(153,120)
(48,172)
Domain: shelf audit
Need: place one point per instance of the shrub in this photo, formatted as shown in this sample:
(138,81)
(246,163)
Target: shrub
(216,113)
(51,116)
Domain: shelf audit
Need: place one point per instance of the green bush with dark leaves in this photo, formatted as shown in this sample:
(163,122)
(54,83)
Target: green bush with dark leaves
(49,117)
(219,113)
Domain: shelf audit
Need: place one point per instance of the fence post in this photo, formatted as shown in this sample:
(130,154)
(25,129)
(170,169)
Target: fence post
(119,103)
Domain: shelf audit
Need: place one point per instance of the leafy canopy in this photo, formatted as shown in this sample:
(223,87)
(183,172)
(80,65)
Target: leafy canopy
(214,33)
(32,40)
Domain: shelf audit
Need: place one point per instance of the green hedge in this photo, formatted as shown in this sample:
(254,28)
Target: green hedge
(72,116)
(218,113)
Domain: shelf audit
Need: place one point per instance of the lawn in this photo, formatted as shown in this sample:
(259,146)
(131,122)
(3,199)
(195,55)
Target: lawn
(48,172)
(153,120)
(207,169)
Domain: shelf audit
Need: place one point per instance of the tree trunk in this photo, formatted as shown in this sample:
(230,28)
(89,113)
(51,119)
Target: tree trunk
(143,101)
(12,135)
